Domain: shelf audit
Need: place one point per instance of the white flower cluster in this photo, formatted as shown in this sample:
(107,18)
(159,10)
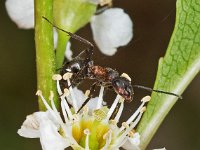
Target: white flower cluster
(111,29)
(90,129)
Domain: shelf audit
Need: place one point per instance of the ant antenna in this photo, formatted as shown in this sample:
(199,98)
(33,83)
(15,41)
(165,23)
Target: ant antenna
(70,34)
(158,91)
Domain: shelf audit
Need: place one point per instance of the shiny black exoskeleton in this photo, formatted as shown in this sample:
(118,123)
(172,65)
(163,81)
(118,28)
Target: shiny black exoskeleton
(82,67)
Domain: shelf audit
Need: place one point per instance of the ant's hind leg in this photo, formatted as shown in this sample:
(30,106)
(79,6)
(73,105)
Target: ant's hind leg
(92,89)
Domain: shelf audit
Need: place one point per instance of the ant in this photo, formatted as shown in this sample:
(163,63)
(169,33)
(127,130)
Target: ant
(84,68)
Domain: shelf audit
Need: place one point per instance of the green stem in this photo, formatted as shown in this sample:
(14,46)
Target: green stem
(45,57)
(60,50)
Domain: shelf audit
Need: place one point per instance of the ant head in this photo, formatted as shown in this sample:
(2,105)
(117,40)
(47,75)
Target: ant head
(123,87)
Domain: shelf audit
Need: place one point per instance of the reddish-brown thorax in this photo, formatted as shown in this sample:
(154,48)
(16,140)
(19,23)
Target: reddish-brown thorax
(99,72)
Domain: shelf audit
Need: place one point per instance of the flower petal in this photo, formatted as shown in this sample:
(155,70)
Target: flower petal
(80,97)
(50,138)
(111,29)
(68,51)
(132,143)
(160,148)
(21,12)
(92,104)
(30,127)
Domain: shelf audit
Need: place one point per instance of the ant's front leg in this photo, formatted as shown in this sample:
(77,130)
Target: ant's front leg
(90,48)
(92,89)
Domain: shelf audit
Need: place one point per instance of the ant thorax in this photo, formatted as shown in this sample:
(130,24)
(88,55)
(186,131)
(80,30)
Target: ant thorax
(103,74)
(74,67)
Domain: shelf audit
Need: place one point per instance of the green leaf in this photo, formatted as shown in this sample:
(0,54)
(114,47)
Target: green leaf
(70,15)
(176,70)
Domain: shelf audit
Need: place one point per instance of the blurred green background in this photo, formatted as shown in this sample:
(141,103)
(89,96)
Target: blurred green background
(153,25)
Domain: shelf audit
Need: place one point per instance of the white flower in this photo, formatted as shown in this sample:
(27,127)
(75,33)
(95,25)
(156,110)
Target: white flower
(90,129)
(21,12)
(111,29)
(68,52)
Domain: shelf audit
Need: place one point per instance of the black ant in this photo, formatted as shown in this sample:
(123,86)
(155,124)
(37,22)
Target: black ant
(84,68)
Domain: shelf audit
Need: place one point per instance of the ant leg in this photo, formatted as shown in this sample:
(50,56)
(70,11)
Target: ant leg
(76,76)
(74,36)
(60,69)
(92,88)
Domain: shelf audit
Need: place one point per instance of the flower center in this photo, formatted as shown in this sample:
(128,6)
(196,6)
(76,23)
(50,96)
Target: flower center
(96,129)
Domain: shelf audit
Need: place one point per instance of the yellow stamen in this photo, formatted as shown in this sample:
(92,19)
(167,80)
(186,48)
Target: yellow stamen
(125,125)
(67,76)
(87,92)
(56,77)
(130,134)
(86,131)
(126,76)
(146,99)
(66,92)
(39,92)
(106,135)
(105,2)
(113,122)
(143,109)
